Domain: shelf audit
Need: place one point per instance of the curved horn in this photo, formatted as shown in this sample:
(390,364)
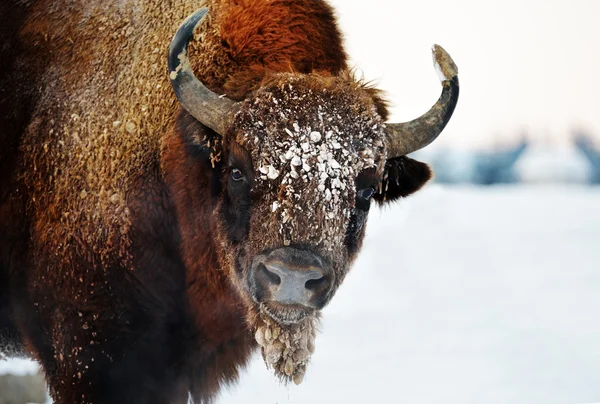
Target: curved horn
(204,105)
(404,138)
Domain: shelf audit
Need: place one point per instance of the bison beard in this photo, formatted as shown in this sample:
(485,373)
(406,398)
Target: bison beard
(286,348)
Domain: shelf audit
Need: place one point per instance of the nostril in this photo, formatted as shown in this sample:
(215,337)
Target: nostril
(270,276)
(315,284)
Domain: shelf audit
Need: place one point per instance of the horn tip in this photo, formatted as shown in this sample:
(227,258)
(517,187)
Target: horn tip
(179,43)
(444,65)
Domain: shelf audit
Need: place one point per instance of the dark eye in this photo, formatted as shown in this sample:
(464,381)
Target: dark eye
(236,175)
(366,193)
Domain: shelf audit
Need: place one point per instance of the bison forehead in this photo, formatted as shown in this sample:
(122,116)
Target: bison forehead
(308,143)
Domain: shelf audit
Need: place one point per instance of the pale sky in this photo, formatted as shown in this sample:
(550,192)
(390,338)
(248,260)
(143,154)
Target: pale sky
(523,65)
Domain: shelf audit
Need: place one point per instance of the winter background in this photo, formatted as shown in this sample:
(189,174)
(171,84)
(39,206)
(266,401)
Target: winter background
(466,293)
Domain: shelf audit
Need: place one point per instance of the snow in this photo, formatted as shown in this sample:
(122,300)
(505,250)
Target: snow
(20,367)
(460,295)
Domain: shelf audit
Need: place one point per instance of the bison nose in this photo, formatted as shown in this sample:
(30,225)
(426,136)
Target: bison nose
(290,282)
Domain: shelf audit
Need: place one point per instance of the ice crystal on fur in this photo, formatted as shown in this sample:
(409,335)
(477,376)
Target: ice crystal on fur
(308,150)
(287,349)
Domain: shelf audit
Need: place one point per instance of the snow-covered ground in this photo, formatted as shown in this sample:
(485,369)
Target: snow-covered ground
(19,367)
(461,295)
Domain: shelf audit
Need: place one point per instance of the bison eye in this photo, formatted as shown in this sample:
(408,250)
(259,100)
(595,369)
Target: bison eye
(236,175)
(366,193)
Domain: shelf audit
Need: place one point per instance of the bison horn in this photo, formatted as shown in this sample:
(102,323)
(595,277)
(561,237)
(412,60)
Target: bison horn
(404,138)
(207,107)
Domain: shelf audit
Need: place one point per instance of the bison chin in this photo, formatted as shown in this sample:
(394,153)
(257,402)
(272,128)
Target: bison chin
(286,346)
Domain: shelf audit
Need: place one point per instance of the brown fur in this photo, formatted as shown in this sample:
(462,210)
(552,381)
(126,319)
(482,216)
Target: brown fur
(247,39)
(115,260)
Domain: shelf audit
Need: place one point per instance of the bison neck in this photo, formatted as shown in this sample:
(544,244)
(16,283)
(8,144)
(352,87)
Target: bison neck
(221,342)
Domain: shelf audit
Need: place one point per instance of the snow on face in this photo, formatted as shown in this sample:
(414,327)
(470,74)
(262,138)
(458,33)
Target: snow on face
(309,138)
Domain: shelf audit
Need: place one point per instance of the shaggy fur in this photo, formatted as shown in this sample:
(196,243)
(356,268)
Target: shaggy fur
(119,235)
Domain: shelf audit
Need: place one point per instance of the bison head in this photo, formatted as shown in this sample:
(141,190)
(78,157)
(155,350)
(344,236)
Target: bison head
(302,160)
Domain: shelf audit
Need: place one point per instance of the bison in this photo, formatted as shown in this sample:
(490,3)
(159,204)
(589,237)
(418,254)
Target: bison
(151,239)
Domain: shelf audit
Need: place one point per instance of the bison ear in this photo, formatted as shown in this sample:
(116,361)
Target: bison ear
(402,176)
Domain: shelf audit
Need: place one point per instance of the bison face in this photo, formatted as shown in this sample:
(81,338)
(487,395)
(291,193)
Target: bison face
(304,158)
(300,162)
